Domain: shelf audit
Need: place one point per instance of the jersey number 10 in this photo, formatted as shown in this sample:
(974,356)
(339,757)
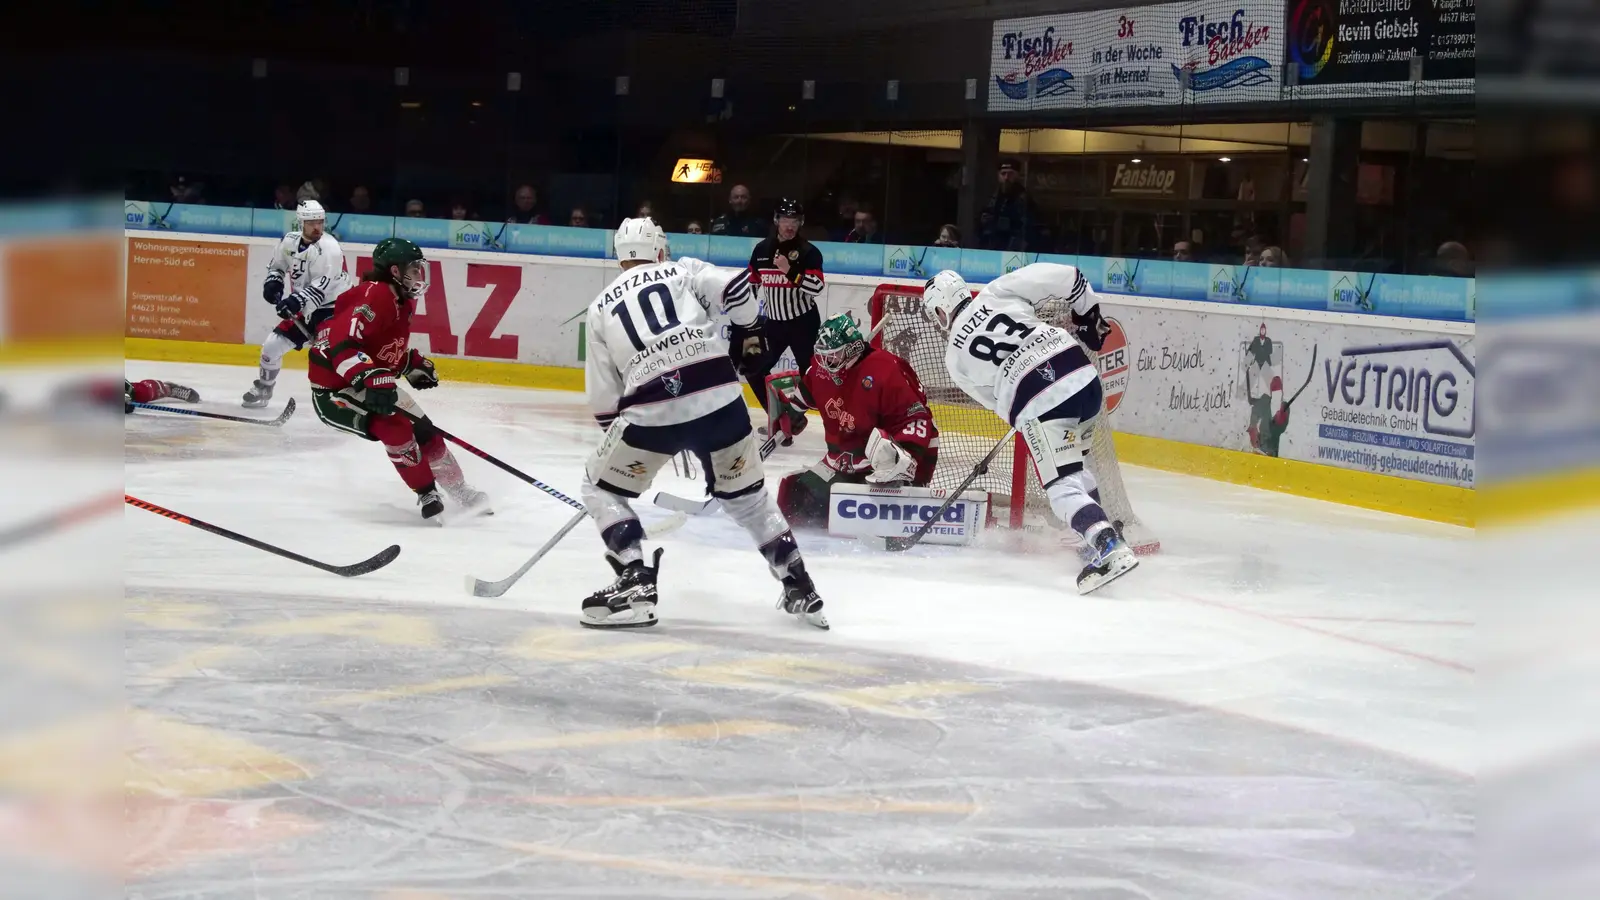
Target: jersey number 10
(647,299)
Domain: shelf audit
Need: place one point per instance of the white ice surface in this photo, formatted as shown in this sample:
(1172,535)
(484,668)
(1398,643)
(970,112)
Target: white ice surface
(1336,621)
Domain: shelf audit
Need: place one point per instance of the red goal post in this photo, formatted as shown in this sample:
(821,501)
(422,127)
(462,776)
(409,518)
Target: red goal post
(967,431)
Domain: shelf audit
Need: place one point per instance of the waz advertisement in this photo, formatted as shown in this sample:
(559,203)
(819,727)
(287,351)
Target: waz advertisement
(1394,402)
(1211,51)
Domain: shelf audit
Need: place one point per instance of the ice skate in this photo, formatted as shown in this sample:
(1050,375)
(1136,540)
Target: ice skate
(801,601)
(630,601)
(428,499)
(1113,559)
(180,392)
(472,502)
(258,396)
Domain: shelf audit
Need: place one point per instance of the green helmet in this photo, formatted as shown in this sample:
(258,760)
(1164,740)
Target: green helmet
(839,344)
(408,256)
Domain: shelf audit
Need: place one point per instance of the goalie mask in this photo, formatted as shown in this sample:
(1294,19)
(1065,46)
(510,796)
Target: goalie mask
(839,345)
(393,253)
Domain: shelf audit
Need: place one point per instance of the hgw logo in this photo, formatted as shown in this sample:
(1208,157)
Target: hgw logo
(1228,60)
(1432,378)
(1041,59)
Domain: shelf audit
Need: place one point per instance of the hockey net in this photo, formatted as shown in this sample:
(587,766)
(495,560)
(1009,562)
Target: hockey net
(968,431)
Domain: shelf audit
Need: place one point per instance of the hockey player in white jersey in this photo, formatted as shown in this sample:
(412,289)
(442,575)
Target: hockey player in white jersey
(311,261)
(1037,377)
(660,382)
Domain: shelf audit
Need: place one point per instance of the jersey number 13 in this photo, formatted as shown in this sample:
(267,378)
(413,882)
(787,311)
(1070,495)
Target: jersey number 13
(646,301)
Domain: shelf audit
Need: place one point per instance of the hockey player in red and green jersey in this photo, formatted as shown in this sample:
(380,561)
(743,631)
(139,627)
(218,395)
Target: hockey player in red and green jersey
(361,351)
(875,420)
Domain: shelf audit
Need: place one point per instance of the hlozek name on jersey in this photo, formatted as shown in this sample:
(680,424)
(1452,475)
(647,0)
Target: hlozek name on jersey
(979,316)
(639,278)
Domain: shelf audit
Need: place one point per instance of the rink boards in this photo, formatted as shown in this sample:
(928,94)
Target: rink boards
(1374,411)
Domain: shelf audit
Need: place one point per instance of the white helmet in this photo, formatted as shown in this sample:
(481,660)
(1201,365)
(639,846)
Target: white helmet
(310,211)
(640,239)
(942,294)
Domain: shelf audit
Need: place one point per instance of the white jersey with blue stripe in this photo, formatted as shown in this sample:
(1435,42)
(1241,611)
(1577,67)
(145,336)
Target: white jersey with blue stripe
(314,270)
(657,345)
(1005,355)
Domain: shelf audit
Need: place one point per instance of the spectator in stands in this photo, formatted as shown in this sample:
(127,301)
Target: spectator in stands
(694,227)
(1274,258)
(307,191)
(283,197)
(414,209)
(1453,258)
(847,207)
(1007,219)
(949,236)
(646,210)
(360,200)
(866,228)
(525,208)
(739,221)
(1183,251)
(579,218)
(458,209)
(1253,247)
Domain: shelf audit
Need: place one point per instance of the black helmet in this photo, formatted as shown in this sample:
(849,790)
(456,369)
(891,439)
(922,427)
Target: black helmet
(789,209)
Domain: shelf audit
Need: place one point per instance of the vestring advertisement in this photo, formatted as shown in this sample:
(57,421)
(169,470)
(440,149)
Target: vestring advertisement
(1213,51)
(1391,401)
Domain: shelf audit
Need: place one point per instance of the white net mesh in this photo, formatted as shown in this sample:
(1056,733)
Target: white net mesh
(968,431)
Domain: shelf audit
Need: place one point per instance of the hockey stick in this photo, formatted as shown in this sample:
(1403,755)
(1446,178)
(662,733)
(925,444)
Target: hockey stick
(481,588)
(288,410)
(50,523)
(1310,371)
(982,468)
(372,564)
(710,504)
(500,464)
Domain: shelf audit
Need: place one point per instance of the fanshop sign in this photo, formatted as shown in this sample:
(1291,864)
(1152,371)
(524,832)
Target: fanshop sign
(859,510)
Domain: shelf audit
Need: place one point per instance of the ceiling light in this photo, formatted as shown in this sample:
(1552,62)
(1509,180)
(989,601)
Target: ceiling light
(1138,161)
(1224,159)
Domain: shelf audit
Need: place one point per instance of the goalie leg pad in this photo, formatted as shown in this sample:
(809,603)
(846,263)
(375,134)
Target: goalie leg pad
(803,499)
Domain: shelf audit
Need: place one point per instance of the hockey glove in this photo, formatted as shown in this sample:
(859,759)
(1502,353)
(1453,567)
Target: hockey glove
(272,290)
(290,306)
(382,393)
(891,464)
(1091,328)
(420,371)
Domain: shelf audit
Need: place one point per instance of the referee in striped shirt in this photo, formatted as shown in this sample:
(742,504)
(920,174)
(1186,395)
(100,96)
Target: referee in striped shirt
(789,270)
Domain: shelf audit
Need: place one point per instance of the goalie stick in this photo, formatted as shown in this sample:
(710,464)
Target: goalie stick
(288,410)
(979,470)
(372,564)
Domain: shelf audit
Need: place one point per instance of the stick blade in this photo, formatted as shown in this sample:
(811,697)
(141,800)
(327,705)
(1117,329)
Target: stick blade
(288,410)
(488,588)
(373,564)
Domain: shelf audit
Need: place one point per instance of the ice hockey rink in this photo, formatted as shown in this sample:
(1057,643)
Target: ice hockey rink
(1279,705)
